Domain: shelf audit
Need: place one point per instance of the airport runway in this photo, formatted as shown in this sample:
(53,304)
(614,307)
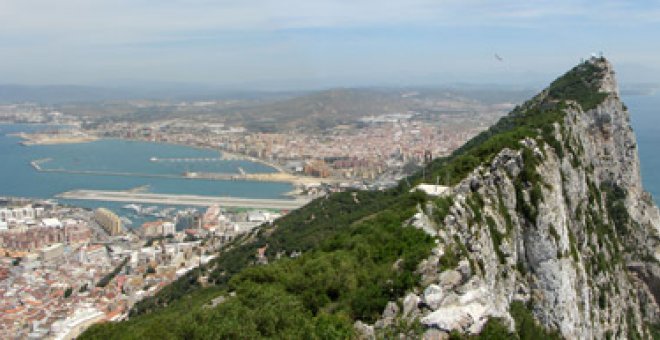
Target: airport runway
(280,177)
(191,200)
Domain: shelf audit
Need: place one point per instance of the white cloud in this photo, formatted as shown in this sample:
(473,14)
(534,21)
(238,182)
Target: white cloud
(117,21)
(85,39)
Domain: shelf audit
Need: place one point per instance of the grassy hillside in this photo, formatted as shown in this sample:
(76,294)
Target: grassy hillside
(358,254)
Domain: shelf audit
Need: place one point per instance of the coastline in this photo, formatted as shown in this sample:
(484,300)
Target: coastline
(279,174)
(227,155)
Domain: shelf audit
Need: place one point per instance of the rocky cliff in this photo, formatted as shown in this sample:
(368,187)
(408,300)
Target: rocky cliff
(558,226)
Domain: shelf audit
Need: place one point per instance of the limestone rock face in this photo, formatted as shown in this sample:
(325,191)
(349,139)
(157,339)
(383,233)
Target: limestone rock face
(364,331)
(455,317)
(449,278)
(410,305)
(422,221)
(433,296)
(434,334)
(391,310)
(580,246)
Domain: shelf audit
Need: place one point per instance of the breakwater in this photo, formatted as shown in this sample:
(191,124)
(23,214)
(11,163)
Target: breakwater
(218,176)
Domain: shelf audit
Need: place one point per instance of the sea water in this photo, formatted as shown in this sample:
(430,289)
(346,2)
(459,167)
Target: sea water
(18,178)
(645,119)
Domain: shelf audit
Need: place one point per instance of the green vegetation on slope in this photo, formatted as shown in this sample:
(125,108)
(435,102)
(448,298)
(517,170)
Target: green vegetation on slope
(356,253)
(301,230)
(349,272)
(530,120)
(580,85)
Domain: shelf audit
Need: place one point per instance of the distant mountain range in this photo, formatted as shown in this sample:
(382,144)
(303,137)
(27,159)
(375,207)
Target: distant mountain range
(262,111)
(59,94)
(329,108)
(52,94)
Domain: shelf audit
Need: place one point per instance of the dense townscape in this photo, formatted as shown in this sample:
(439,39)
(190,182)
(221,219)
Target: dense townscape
(65,268)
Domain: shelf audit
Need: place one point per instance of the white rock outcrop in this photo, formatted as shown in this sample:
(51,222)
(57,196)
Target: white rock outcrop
(562,245)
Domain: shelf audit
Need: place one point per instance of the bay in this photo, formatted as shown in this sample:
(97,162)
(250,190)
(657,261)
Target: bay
(18,178)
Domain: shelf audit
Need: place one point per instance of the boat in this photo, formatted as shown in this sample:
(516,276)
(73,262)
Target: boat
(151,210)
(133,207)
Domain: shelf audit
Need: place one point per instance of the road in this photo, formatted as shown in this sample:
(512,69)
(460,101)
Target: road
(190,200)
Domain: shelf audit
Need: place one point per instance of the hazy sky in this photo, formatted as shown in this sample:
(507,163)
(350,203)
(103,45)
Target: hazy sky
(301,43)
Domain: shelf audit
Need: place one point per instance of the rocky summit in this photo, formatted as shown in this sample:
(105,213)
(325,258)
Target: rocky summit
(541,229)
(560,224)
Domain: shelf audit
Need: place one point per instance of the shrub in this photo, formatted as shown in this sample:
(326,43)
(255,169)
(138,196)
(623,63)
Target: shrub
(526,325)
(496,237)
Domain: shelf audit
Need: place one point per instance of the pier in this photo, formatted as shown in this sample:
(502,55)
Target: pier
(188,200)
(108,173)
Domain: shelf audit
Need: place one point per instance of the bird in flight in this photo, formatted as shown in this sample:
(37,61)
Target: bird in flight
(497,56)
